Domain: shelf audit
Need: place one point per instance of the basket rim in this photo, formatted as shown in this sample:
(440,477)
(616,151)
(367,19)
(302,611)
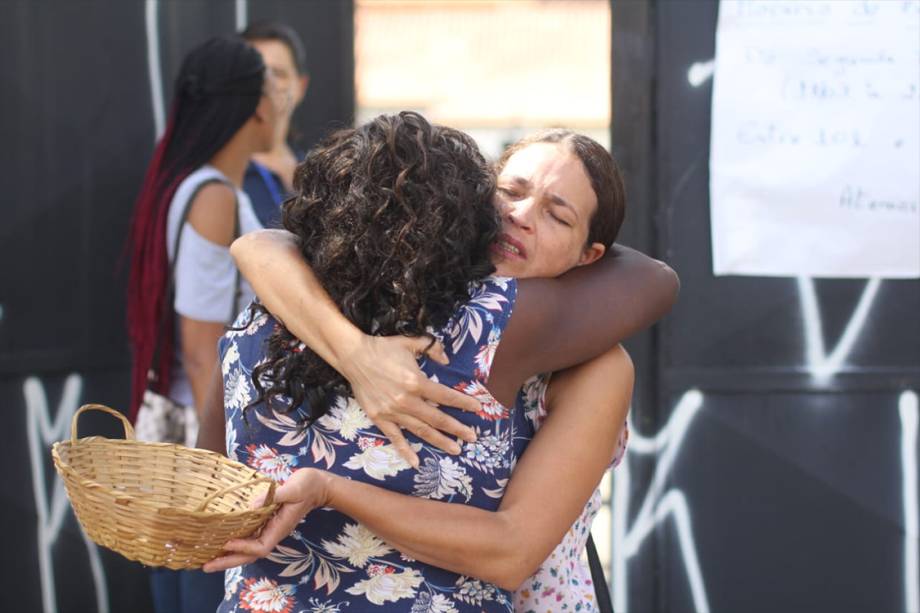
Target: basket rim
(146,504)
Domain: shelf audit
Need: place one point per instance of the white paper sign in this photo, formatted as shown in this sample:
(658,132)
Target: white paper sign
(815,151)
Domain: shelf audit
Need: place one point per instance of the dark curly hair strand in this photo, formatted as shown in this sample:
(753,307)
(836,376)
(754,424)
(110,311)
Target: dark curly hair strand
(396,218)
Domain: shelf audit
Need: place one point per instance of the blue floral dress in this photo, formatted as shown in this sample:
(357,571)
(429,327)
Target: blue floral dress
(331,563)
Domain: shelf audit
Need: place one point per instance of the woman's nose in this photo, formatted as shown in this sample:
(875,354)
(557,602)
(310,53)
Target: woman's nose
(520,214)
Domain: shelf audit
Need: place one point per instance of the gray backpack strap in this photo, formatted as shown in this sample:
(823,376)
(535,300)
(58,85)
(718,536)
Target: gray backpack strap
(236,269)
(171,283)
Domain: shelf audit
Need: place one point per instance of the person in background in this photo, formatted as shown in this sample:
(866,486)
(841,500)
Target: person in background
(224,112)
(270,175)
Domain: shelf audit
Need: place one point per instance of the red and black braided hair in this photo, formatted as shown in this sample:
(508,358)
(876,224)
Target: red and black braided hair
(217,91)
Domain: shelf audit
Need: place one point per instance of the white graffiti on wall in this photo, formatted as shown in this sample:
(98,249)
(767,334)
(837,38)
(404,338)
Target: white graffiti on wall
(907,408)
(656,506)
(154,71)
(242,13)
(42,430)
(824,366)
(700,72)
(154,65)
(821,365)
(663,447)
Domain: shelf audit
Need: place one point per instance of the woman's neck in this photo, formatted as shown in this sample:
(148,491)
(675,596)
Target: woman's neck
(233,158)
(281,161)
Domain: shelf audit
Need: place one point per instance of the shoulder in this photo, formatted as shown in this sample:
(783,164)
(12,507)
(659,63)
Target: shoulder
(614,367)
(491,303)
(607,379)
(494,293)
(481,319)
(618,359)
(253,321)
(251,328)
(212,212)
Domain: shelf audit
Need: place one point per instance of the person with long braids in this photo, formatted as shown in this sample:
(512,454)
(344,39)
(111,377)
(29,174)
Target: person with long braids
(189,210)
(387,207)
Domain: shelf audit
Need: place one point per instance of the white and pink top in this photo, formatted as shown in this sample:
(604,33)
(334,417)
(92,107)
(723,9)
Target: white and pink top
(563,582)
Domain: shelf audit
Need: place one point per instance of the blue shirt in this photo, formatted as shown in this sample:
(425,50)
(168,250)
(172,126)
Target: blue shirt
(266,192)
(331,562)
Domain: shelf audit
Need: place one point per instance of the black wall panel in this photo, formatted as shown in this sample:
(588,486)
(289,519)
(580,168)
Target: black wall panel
(784,475)
(77,122)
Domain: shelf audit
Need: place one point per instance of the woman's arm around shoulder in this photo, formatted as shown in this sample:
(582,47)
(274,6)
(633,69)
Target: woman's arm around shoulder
(564,321)
(548,490)
(382,371)
(563,465)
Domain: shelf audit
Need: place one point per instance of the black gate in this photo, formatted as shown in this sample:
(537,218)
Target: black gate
(82,83)
(773,464)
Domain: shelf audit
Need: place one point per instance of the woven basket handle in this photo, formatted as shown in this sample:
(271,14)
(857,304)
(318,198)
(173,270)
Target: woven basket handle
(129,429)
(268,498)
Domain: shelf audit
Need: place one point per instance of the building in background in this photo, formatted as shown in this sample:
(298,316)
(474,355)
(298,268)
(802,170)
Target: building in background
(496,69)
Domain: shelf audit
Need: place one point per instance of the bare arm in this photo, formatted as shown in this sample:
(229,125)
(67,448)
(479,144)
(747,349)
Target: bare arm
(199,356)
(589,404)
(383,372)
(212,425)
(211,215)
(564,321)
(271,262)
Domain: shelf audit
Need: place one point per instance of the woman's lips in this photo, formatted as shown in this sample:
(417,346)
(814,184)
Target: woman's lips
(509,248)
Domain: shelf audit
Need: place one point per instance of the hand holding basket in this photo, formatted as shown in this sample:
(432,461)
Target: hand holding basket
(158,503)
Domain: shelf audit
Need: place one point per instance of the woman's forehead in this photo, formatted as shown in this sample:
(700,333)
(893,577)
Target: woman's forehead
(533,155)
(275,52)
(554,167)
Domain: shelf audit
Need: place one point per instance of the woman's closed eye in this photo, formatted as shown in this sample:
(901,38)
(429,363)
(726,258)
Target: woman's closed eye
(560,219)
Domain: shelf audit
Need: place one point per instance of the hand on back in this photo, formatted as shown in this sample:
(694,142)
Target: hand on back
(394,392)
(307,489)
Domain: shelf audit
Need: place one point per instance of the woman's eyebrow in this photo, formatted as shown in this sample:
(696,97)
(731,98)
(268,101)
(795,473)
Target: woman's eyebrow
(554,198)
(519,181)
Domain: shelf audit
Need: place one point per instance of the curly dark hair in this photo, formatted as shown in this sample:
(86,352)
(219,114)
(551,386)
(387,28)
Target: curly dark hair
(396,219)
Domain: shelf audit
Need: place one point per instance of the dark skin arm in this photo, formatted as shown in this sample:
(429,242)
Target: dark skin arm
(211,215)
(557,322)
(211,422)
(564,321)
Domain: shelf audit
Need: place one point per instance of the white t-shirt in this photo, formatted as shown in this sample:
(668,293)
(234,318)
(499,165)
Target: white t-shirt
(205,274)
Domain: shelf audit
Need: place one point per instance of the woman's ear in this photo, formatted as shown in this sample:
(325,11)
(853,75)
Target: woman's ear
(591,254)
(302,84)
(263,113)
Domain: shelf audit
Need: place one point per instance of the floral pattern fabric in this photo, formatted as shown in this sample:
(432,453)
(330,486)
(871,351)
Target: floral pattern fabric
(332,564)
(563,582)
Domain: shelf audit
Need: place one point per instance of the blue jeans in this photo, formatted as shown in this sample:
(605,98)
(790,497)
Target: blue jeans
(185,591)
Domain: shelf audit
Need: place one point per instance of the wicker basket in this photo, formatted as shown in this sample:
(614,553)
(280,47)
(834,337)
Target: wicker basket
(158,503)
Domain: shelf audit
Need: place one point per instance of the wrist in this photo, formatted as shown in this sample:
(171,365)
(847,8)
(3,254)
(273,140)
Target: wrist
(349,349)
(332,485)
